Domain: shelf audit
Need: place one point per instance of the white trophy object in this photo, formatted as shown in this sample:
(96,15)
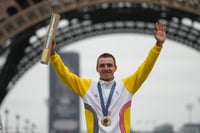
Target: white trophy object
(49,37)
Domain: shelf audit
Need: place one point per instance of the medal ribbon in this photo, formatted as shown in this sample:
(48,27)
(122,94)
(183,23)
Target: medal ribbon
(103,106)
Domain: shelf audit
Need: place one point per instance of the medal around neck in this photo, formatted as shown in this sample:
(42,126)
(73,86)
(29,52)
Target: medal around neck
(106,121)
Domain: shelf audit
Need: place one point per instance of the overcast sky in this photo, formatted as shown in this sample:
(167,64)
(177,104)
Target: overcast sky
(173,83)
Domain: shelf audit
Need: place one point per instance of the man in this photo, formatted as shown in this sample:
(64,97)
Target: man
(107,102)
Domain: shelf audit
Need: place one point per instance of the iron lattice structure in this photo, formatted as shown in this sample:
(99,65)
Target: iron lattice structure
(20,20)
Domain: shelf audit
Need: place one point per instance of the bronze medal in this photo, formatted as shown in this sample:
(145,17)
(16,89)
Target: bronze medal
(106,121)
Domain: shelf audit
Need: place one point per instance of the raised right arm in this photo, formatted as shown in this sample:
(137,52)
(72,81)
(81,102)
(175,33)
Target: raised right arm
(71,80)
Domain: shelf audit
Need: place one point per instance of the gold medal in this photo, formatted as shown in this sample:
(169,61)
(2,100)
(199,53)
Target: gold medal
(106,121)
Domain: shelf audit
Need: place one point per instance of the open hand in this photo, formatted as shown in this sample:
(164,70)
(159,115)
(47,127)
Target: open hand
(160,33)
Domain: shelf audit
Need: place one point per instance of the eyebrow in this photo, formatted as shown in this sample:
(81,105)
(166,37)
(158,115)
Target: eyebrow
(106,64)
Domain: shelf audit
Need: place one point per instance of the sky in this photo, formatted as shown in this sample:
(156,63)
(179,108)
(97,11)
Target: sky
(173,83)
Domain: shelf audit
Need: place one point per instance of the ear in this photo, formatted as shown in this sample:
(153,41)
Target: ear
(115,68)
(97,68)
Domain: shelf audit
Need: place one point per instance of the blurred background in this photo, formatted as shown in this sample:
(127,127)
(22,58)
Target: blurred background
(32,99)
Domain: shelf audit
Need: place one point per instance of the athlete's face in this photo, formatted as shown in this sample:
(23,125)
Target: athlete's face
(106,68)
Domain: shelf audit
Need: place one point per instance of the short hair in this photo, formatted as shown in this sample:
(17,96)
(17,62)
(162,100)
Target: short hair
(106,55)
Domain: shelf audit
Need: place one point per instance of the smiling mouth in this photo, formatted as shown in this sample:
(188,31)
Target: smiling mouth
(106,73)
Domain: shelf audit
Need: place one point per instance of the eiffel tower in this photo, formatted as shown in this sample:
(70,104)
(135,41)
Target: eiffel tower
(20,20)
